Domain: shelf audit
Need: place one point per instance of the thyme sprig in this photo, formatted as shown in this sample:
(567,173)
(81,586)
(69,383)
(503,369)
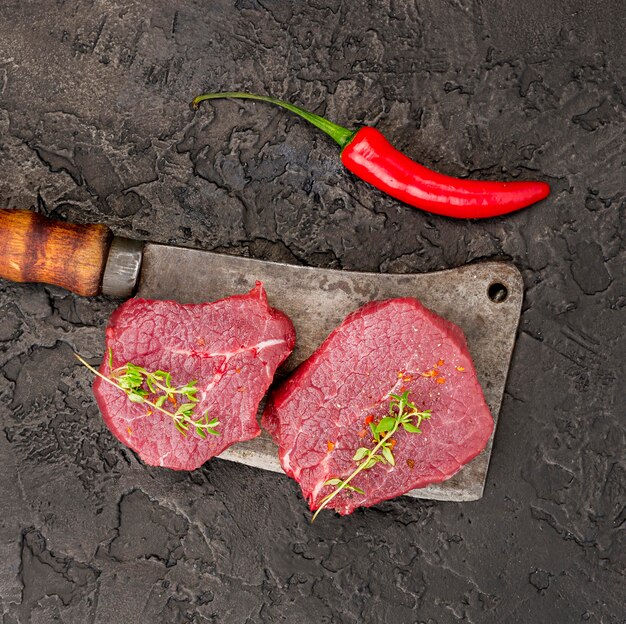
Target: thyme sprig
(402,413)
(139,384)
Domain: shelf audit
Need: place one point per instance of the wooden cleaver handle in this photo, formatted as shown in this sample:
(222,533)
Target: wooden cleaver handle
(34,248)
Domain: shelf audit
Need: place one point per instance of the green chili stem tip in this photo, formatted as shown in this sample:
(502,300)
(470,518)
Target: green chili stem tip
(341,135)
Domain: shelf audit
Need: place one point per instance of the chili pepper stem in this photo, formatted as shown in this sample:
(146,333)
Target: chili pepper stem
(341,135)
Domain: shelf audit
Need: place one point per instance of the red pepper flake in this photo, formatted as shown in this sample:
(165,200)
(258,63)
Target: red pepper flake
(410,463)
(237,370)
(402,388)
(241,389)
(460,368)
(430,373)
(330,445)
(200,342)
(149,412)
(130,432)
(400,374)
(362,433)
(440,363)
(392,442)
(172,400)
(369,419)
(440,380)
(407,378)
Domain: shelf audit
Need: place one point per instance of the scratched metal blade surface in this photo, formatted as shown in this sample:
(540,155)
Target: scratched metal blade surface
(317,300)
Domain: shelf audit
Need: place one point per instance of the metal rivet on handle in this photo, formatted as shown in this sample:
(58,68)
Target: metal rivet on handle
(121,274)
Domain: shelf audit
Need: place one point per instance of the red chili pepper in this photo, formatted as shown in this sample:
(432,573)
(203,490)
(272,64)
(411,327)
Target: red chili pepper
(368,154)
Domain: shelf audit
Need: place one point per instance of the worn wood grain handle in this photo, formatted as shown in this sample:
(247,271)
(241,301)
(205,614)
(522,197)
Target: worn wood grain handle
(34,248)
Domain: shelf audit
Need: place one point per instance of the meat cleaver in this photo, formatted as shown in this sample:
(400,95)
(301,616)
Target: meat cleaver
(484,299)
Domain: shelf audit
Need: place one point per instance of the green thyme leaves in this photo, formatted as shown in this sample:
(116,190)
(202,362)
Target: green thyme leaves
(155,389)
(402,413)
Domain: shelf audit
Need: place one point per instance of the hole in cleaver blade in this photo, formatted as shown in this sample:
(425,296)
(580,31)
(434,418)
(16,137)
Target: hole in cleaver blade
(317,300)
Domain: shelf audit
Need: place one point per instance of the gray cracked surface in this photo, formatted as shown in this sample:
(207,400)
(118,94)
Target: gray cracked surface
(94,126)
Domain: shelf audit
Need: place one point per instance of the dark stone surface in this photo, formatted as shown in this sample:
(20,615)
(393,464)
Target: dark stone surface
(94,126)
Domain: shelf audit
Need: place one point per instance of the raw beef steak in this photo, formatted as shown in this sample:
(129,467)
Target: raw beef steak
(232,347)
(319,416)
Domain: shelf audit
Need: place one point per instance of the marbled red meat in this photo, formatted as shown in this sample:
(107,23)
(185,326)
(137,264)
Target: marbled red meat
(232,347)
(318,415)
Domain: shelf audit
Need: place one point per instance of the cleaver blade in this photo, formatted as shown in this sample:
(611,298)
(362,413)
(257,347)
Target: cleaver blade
(484,299)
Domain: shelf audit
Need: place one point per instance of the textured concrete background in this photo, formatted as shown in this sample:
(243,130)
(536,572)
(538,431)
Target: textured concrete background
(94,126)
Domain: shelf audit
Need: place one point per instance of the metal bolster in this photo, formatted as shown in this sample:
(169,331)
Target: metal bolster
(121,273)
